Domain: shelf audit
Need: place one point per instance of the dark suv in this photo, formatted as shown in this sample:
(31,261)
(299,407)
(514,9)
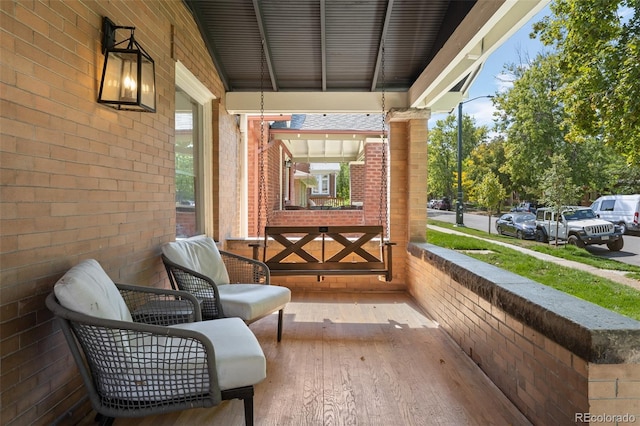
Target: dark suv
(444,204)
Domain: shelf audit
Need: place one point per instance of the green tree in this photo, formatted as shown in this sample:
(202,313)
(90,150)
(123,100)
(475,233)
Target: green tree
(530,117)
(533,118)
(490,194)
(557,186)
(342,182)
(486,158)
(443,152)
(185,177)
(598,50)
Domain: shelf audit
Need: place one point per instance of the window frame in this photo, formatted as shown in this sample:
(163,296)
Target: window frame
(191,85)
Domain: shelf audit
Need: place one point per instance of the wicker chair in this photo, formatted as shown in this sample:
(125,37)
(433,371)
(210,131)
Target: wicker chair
(229,285)
(143,351)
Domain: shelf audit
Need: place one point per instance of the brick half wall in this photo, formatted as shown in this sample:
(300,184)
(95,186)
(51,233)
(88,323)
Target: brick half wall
(555,356)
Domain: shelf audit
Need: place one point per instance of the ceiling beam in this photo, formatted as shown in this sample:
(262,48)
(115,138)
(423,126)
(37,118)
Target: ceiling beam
(313,102)
(380,58)
(323,43)
(265,46)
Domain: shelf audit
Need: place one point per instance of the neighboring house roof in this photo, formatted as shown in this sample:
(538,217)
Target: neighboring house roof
(323,138)
(343,122)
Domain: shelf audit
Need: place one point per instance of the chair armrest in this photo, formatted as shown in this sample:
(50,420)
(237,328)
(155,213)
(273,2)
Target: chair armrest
(170,365)
(160,306)
(245,270)
(200,286)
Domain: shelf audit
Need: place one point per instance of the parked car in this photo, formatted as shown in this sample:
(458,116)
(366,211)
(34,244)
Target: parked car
(432,203)
(444,204)
(526,206)
(517,224)
(578,226)
(622,210)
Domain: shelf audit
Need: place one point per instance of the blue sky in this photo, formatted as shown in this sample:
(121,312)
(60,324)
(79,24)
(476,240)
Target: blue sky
(489,80)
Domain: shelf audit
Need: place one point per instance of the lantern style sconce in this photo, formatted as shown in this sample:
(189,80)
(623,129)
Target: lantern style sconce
(288,163)
(128,77)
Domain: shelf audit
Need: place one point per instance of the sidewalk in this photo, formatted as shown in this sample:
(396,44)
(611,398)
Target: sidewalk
(617,276)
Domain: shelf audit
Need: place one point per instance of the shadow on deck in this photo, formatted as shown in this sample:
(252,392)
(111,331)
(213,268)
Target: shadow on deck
(368,359)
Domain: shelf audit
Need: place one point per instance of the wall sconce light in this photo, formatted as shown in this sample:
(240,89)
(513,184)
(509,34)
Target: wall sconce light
(288,163)
(128,77)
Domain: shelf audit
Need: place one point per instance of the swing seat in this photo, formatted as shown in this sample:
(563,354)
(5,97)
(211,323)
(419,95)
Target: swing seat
(292,254)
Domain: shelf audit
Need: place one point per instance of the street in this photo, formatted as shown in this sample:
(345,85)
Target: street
(630,253)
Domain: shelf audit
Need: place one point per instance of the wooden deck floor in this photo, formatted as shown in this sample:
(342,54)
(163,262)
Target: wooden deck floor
(359,359)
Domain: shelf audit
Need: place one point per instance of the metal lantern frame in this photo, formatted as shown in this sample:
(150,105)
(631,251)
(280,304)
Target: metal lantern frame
(128,77)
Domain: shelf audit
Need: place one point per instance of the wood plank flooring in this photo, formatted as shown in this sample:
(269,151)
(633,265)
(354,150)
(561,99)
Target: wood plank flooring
(359,359)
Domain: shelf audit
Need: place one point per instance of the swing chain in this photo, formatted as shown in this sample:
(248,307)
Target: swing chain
(383,172)
(262,184)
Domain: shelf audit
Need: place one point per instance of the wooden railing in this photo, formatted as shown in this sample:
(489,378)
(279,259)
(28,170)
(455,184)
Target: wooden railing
(329,201)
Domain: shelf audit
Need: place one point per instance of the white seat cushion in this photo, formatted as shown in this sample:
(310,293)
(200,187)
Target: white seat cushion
(252,301)
(239,357)
(199,254)
(86,288)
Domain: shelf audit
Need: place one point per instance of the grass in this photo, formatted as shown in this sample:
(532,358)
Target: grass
(616,297)
(563,251)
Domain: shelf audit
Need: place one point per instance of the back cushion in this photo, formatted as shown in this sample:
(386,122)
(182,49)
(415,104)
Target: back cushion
(86,288)
(199,254)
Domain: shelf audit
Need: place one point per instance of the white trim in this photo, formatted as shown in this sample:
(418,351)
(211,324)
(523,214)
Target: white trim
(190,84)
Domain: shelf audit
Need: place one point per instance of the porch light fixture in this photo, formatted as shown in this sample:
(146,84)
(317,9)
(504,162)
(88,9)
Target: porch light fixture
(287,163)
(128,77)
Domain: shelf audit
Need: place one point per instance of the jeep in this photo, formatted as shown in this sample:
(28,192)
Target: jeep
(578,226)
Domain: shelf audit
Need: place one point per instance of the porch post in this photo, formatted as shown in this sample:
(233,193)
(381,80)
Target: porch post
(408,195)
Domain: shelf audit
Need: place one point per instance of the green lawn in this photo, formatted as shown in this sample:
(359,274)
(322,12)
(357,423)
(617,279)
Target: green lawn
(606,293)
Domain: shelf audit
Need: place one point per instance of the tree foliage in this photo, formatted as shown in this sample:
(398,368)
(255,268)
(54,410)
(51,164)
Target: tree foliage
(443,152)
(490,194)
(598,50)
(342,182)
(484,159)
(557,185)
(531,117)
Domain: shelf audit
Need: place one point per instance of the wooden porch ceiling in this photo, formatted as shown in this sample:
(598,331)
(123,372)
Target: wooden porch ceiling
(368,359)
(326,56)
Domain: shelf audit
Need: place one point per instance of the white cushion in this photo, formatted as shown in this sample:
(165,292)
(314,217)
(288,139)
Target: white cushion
(199,254)
(239,357)
(252,301)
(86,288)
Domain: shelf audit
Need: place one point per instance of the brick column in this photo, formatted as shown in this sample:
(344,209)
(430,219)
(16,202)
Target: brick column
(408,194)
(373,183)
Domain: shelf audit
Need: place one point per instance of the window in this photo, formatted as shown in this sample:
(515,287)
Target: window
(607,205)
(322,186)
(187,158)
(193,155)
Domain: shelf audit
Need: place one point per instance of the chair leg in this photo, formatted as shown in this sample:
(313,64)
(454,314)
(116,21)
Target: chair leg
(248,410)
(104,420)
(280,316)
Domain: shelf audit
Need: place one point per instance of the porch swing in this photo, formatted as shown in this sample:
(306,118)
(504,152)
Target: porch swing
(296,251)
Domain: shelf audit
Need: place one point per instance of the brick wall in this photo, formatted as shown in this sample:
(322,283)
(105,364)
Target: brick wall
(81,180)
(374,194)
(357,176)
(316,218)
(519,333)
(227,157)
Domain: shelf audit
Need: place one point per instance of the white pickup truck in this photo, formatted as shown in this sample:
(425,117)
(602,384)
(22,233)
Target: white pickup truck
(578,226)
